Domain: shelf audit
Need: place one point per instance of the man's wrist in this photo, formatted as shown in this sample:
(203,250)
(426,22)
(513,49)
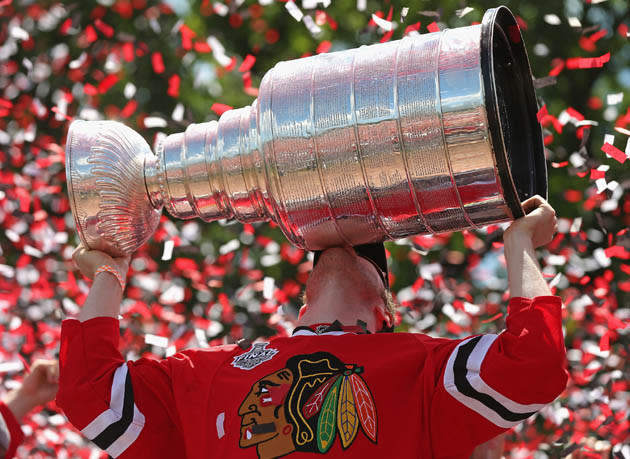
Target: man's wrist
(109,272)
(516,238)
(19,405)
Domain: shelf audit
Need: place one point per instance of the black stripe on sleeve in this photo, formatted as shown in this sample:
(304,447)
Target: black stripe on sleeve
(115,430)
(464,387)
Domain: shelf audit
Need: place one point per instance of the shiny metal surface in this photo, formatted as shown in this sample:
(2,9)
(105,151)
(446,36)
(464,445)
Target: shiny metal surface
(105,162)
(364,145)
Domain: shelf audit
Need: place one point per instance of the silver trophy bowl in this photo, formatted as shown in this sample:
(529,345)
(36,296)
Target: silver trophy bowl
(431,133)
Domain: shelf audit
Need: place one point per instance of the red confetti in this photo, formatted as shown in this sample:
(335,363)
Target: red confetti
(604,342)
(617,251)
(614,152)
(173,86)
(157,62)
(90,34)
(597,174)
(247,63)
(412,27)
(323,47)
(542,113)
(90,89)
(220,109)
(129,109)
(107,83)
(557,67)
(202,47)
(433,27)
(187,35)
(386,36)
(587,62)
(128,51)
(105,29)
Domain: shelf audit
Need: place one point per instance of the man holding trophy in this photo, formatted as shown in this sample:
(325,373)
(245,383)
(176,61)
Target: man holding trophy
(425,135)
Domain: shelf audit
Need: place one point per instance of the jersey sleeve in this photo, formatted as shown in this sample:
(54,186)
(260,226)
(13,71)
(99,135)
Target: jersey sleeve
(10,433)
(490,383)
(125,408)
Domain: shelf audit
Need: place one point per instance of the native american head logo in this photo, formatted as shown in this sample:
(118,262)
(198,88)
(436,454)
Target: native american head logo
(303,407)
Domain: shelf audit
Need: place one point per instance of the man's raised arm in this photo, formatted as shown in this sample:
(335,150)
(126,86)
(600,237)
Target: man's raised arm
(491,383)
(521,239)
(125,408)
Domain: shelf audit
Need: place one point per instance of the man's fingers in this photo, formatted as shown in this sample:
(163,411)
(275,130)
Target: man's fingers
(532,203)
(53,373)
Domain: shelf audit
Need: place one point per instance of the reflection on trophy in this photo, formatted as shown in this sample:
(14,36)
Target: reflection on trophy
(431,133)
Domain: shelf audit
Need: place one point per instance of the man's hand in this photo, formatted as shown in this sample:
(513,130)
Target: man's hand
(88,261)
(39,387)
(106,292)
(539,224)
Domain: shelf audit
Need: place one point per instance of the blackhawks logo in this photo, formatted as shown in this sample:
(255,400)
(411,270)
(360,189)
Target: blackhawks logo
(305,406)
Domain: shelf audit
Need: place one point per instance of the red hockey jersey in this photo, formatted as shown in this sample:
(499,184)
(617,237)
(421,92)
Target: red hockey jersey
(10,432)
(399,395)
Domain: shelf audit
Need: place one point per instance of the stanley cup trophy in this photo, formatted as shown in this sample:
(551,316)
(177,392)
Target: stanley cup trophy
(431,133)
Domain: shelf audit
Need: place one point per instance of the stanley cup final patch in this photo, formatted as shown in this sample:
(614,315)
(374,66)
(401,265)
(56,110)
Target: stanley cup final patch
(259,353)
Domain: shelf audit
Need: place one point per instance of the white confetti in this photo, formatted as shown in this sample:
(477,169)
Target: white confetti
(556,280)
(609,139)
(313,28)
(218,51)
(628,148)
(586,123)
(269,284)
(614,99)
(574,22)
(78,62)
(202,339)
(18,33)
(155,340)
(577,160)
(621,130)
(609,205)
(62,107)
(154,122)
(171,350)
(361,5)
(601,185)
(601,257)
(230,246)
(173,295)
(32,251)
(130,90)
(7,367)
(576,225)
(464,11)
(221,9)
(178,113)
(382,23)
(294,10)
(403,14)
(167,254)
(552,19)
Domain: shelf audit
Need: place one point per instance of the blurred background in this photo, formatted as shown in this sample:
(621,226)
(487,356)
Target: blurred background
(159,66)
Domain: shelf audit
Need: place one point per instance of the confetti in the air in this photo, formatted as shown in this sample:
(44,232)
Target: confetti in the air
(159,66)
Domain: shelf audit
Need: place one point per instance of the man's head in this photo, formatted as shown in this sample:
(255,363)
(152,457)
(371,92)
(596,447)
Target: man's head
(349,284)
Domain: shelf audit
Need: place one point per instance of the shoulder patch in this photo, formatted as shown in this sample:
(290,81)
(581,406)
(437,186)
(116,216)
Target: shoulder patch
(259,353)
